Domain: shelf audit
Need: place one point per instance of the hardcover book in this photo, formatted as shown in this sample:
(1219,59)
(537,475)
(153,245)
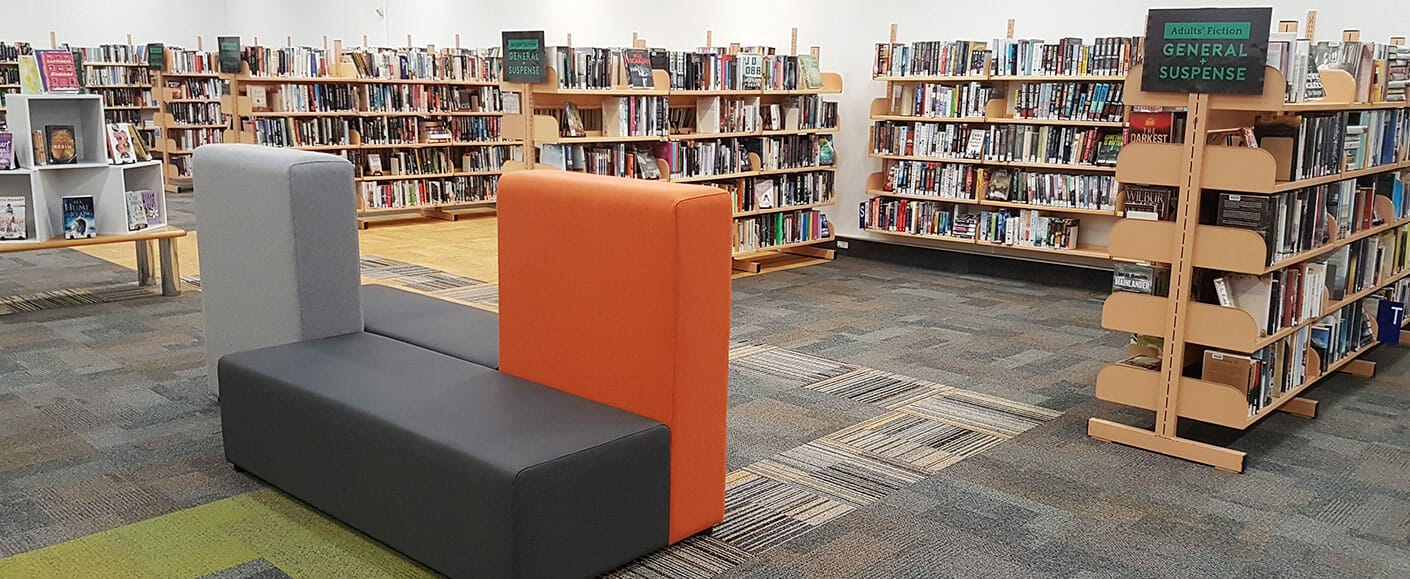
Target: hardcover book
(138,146)
(79,219)
(1152,127)
(638,68)
(7,151)
(646,164)
(751,71)
(573,121)
(1141,278)
(120,146)
(12,219)
(61,143)
(41,150)
(826,154)
(136,213)
(1150,202)
(58,71)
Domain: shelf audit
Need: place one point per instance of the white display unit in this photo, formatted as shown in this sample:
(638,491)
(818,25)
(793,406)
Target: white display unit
(44,186)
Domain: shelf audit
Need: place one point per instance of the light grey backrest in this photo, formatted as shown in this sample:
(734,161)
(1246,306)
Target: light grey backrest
(277,235)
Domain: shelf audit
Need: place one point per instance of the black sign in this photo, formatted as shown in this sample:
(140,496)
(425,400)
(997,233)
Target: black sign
(1206,50)
(229,54)
(156,56)
(524,57)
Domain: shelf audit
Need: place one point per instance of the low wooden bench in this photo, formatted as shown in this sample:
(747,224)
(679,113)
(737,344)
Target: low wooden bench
(166,252)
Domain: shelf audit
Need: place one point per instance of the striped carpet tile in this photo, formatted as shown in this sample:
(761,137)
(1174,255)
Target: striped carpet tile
(761,512)
(982,413)
(698,557)
(740,349)
(913,442)
(789,364)
(485,294)
(66,298)
(884,389)
(838,472)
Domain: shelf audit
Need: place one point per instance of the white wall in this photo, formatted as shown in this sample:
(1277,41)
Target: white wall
(845,29)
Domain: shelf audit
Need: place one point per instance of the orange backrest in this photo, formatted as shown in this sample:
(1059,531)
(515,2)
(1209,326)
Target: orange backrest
(618,291)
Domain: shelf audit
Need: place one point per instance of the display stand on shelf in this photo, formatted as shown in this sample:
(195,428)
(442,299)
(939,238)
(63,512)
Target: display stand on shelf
(45,204)
(980,147)
(719,133)
(193,97)
(427,141)
(1176,388)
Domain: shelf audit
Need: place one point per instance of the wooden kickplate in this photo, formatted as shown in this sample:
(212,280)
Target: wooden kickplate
(1224,459)
(1359,368)
(1304,407)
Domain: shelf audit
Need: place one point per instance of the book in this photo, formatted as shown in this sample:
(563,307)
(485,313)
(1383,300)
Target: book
(41,149)
(646,164)
(374,164)
(826,154)
(79,218)
(138,146)
(812,73)
(7,151)
(1108,149)
(136,213)
(1152,127)
(998,185)
(764,193)
(1255,212)
(1141,278)
(751,71)
(1254,295)
(229,47)
(61,144)
(1236,370)
(638,64)
(259,98)
(572,121)
(30,81)
(57,71)
(1150,202)
(151,203)
(12,219)
(1142,361)
(121,149)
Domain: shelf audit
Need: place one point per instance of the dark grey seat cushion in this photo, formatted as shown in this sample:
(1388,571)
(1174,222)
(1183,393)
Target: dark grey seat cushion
(472,472)
(460,331)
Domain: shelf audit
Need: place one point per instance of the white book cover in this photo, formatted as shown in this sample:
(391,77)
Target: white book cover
(136,213)
(614,117)
(1252,294)
(12,219)
(707,115)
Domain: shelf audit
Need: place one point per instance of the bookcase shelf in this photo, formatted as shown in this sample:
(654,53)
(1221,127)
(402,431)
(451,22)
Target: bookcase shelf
(1196,167)
(782,247)
(1053,208)
(784,208)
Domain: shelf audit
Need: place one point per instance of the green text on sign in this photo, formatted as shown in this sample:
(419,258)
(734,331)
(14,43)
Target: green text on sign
(1207,30)
(523,44)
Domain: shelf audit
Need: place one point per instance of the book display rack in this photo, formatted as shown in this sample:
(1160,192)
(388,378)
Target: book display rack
(1007,147)
(422,127)
(1283,259)
(194,100)
(64,191)
(750,120)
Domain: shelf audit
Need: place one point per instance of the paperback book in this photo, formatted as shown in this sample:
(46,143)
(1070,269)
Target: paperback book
(12,219)
(79,217)
(61,143)
(136,213)
(151,203)
(58,71)
(7,151)
(120,145)
(638,64)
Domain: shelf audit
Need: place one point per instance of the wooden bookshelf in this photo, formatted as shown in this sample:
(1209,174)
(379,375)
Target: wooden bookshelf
(999,111)
(193,112)
(543,103)
(127,87)
(1185,244)
(382,195)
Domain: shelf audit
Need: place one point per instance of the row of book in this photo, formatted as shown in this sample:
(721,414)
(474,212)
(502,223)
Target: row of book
(299,132)
(192,88)
(78,214)
(780,191)
(759,68)
(182,61)
(1105,56)
(927,218)
(431,161)
(1027,228)
(415,97)
(944,180)
(700,158)
(1005,143)
(1084,101)
(931,100)
(291,61)
(478,65)
(1305,219)
(795,151)
(129,97)
(114,53)
(1381,72)
(615,160)
(115,75)
(733,115)
(189,139)
(408,130)
(1096,192)
(196,113)
(427,192)
(775,229)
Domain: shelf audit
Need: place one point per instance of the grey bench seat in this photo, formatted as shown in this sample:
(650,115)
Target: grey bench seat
(460,331)
(470,471)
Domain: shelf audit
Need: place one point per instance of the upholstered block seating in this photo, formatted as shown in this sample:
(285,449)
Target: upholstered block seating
(471,334)
(470,471)
(383,409)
